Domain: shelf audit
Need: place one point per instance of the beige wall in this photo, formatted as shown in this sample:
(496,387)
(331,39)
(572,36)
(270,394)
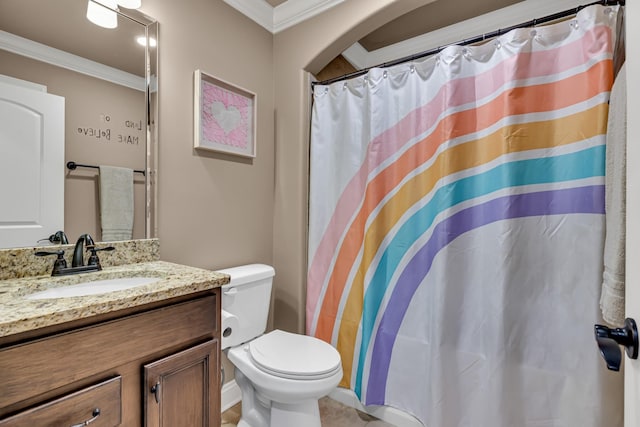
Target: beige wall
(92,107)
(214,210)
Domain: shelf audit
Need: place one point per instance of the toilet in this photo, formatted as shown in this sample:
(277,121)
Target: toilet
(281,375)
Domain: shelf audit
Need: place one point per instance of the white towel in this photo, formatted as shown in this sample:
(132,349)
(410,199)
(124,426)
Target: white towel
(116,203)
(612,301)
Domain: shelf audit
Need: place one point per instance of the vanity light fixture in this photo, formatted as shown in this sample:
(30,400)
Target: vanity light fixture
(103,13)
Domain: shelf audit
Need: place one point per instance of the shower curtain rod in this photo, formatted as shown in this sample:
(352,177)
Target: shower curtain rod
(472,40)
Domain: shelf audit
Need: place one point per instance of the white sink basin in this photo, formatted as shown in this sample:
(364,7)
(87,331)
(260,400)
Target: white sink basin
(93,288)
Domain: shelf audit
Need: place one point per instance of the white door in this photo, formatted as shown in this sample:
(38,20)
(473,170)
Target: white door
(31,165)
(632,367)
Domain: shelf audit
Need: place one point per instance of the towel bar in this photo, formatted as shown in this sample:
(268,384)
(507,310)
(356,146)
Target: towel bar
(74,165)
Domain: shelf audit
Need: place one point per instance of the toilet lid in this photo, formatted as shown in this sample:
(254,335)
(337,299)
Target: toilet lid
(296,356)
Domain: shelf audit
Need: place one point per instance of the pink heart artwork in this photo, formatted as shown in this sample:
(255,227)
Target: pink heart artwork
(226,116)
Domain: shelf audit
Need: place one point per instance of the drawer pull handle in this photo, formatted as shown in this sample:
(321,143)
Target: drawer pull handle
(156,391)
(95,413)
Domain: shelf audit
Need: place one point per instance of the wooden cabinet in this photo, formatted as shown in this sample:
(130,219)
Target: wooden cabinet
(176,345)
(181,389)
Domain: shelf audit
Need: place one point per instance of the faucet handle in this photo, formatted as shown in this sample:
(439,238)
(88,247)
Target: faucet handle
(59,263)
(45,253)
(93,258)
(58,238)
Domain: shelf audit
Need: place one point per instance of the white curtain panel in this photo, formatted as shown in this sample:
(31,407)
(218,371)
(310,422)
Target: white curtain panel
(456,230)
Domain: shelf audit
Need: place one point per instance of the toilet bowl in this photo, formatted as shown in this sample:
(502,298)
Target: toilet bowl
(281,375)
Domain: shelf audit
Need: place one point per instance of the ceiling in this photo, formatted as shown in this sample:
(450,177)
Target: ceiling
(430,17)
(439,14)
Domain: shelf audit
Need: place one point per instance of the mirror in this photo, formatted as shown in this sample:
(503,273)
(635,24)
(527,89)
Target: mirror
(109,85)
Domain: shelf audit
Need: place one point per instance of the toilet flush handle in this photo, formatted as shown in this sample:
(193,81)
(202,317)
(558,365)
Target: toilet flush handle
(230,292)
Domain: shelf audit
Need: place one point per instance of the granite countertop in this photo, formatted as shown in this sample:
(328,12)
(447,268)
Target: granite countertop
(19,314)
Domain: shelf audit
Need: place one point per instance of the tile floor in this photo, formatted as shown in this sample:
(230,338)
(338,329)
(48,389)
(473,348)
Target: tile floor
(332,414)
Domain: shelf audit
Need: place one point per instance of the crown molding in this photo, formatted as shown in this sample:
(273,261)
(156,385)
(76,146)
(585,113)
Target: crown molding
(524,11)
(258,10)
(285,15)
(38,51)
(293,12)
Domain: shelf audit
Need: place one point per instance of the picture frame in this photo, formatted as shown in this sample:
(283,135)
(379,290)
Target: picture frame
(224,116)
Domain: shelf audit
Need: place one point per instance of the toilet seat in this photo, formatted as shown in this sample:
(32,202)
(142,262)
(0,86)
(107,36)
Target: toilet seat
(294,356)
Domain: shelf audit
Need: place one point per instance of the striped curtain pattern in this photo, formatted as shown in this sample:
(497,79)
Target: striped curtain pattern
(456,229)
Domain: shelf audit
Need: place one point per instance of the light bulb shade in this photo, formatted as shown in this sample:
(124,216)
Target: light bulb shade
(130,4)
(102,13)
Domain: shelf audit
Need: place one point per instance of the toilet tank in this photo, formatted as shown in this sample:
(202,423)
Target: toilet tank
(245,303)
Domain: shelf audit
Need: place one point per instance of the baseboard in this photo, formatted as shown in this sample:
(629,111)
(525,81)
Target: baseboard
(230,395)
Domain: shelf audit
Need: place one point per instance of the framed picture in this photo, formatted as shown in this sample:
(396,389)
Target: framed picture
(225,116)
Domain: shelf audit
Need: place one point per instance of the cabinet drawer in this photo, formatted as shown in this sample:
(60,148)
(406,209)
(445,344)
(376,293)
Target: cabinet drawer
(31,369)
(76,408)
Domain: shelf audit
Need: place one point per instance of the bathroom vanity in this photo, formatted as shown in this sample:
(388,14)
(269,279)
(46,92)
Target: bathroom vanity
(148,356)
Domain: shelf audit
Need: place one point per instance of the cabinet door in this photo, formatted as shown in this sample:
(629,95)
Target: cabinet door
(182,390)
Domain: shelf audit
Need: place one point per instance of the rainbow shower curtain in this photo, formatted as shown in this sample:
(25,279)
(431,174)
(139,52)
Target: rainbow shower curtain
(456,229)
